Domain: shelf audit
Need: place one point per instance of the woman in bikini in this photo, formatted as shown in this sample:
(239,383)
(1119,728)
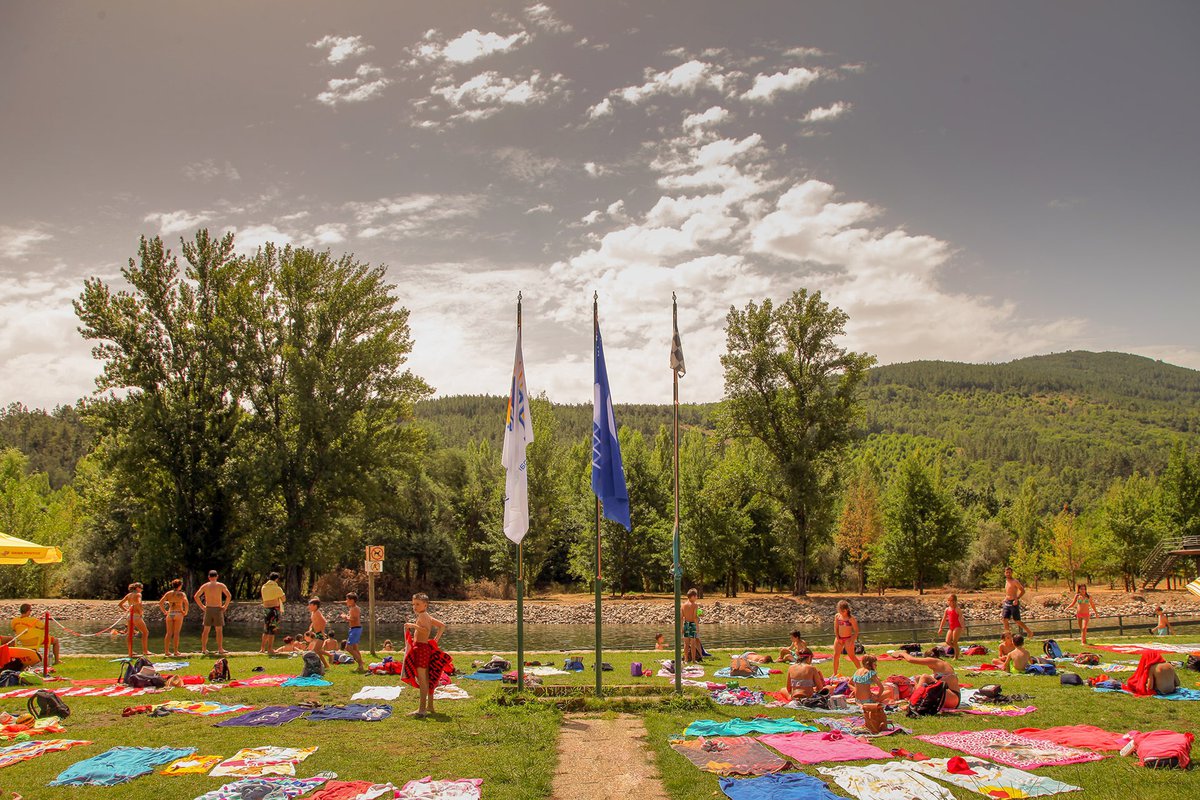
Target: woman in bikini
(1084,608)
(952,622)
(132,604)
(174,605)
(845,631)
(803,679)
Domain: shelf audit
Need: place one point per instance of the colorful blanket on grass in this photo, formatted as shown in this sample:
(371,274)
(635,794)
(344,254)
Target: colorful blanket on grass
(191,765)
(118,765)
(1085,737)
(1137,648)
(256,681)
(818,748)
(741,727)
(737,697)
(990,780)
(255,762)
(857,726)
(11,727)
(23,751)
(202,709)
(891,781)
(450,692)
(267,716)
(759,672)
(428,789)
(729,755)
(1010,748)
(1182,693)
(788,786)
(306,682)
(84,691)
(282,788)
(968,705)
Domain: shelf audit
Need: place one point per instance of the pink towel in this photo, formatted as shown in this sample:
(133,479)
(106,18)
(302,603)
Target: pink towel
(816,748)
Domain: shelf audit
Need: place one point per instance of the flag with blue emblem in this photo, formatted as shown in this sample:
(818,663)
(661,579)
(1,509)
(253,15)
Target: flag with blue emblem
(608,473)
(518,433)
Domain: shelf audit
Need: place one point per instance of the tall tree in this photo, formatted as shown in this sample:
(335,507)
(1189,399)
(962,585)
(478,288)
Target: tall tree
(1180,493)
(861,522)
(1131,520)
(925,531)
(792,388)
(167,345)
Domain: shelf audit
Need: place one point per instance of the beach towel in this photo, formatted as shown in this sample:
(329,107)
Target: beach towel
(276,788)
(110,690)
(353,712)
(857,726)
(789,786)
(1182,693)
(484,676)
(1136,648)
(307,681)
(723,672)
(450,692)
(23,751)
(892,781)
(817,748)
(190,765)
(342,790)
(741,727)
(429,789)
(11,728)
(544,672)
(990,780)
(1164,746)
(1010,748)
(438,663)
(170,666)
(968,704)
(263,717)
(202,709)
(1084,737)
(377,693)
(729,755)
(255,762)
(738,697)
(691,671)
(118,765)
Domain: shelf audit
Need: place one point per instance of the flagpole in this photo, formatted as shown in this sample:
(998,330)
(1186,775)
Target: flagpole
(678,571)
(520,575)
(599,663)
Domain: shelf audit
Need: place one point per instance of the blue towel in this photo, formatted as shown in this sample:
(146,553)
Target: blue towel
(790,786)
(268,716)
(1182,693)
(358,712)
(118,765)
(484,676)
(741,727)
(308,680)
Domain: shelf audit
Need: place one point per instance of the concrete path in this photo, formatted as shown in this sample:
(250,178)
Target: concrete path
(605,759)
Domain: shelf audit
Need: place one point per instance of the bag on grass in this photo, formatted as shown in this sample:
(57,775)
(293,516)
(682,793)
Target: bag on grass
(220,671)
(1070,679)
(913,649)
(1051,649)
(131,668)
(575,665)
(903,685)
(1041,669)
(874,717)
(1193,662)
(859,649)
(1087,659)
(312,665)
(635,669)
(47,704)
(9,677)
(975,650)
(927,700)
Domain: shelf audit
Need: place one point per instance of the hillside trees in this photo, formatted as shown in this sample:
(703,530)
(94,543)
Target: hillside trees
(861,522)
(925,531)
(790,387)
(1131,520)
(31,510)
(1180,498)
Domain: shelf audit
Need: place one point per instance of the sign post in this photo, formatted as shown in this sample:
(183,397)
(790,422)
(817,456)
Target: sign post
(374,566)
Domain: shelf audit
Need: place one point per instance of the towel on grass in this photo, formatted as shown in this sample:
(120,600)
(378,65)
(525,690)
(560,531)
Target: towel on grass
(729,755)
(255,762)
(1010,748)
(23,751)
(276,788)
(857,726)
(118,765)
(84,691)
(203,709)
(450,692)
(12,728)
(484,676)
(343,790)
(990,780)
(1182,693)
(264,717)
(738,697)
(723,672)
(1084,737)
(545,672)
(691,671)
(353,712)
(428,789)
(309,681)
(817,748)
(891,781)
(967,705)
(789,786)
(741,727)
(377,693)
(191,765)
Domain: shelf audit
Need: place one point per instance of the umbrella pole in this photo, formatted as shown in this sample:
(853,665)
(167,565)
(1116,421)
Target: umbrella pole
(46,647)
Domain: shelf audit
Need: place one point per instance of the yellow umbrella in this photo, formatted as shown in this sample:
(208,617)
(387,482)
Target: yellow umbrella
(19,551)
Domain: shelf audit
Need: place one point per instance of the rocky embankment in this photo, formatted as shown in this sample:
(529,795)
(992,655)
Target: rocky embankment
(766,610)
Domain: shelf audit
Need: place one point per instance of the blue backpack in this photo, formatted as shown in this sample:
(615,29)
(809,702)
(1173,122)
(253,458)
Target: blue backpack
(1051,649)
(1041,669)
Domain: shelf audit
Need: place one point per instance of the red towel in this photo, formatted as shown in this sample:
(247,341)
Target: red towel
(1164,744)
(428,655)
(1086,737)
(1140,683)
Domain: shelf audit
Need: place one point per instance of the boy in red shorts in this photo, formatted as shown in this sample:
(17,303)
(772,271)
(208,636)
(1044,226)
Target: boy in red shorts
(425,632)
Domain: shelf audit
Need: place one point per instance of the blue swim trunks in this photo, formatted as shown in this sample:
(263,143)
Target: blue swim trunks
(354,636)
(689,630)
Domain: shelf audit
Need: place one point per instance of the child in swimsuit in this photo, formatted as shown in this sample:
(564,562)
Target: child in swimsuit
(132,603)
(174,605)
(1084,608)
(952,622)
(425,632)
(790,654)
(1164,624)
(316,631)
(868,688)
(845,631)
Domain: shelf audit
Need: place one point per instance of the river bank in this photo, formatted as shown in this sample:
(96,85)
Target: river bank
(659,610)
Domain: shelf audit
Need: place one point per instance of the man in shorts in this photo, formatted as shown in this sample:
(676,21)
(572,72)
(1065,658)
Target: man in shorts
(272,600)
(691,622)
(1010,610)
(213,598)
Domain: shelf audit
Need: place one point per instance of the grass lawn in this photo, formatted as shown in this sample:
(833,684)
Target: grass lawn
(512,748)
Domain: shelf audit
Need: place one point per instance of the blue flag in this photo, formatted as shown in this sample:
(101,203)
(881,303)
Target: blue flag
(608,474)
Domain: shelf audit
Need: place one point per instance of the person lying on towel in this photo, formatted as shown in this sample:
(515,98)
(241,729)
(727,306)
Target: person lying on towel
(942,671)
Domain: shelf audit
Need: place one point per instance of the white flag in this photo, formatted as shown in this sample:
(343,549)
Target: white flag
(518,433)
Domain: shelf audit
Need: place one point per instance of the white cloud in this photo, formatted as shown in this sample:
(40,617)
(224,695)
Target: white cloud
(826,113)
(804,52)
(766,87)
(713,116)
(368,82)
(490,92)
(341,48)
(685,79)
(542,16)
(466,47)
(19,242)
(250,238)
(593,169)
(602,109)
(209,170)
(330,233)
(169,222)
(542,208)
(412,215)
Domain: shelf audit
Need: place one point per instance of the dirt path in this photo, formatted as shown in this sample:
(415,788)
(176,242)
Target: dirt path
(623,769)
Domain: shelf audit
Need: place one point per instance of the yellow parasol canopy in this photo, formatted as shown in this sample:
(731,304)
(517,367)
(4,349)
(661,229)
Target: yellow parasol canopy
(1194,587)
(19,551)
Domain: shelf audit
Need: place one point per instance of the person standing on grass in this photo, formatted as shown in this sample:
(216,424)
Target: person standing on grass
(690,611)
(213,597)
(1164,624)
(845,632)
(272,600)
(1084,608)
(353,619)
(952,622)
(174,605)
(131,604)
(316,629)
(1010,610)
(425,632)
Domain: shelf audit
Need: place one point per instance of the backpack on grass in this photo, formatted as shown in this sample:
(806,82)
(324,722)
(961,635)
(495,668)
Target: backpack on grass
(47,704)
(1051,649)
(220,671)
(927,700)
(1070,679)
(130,668)
(1193,662)
(903,685)
(312,665)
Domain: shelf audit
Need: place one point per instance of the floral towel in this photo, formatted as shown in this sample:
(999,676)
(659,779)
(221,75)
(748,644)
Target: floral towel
(1010,748)
(429,789)
(254,762)
(741,727)
(273,787)
(738,697)
(23,751)
(450,692)
(990,780)
(891,781)
(729,755)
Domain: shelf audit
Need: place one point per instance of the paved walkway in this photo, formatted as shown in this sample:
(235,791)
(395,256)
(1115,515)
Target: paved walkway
(605,759)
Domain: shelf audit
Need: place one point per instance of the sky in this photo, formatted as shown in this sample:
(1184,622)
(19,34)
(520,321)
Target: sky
(967,180)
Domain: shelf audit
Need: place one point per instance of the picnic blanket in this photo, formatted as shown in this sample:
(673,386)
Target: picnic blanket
(779,786)
(190,765)
(1010,748)
(1182,693)
(450,692)
(484,676)
(23,751)
(817,748)
(255,682)
(737,697)
(283,788)
(991,780)
(967,705)
(265,716)
(857,726)
(255,762)
(352,712)
(729,755)
(377,693)
(741,727)
(307,681)
(545,671)
(891,781)
(118,765)
(1137,648)
(428,789)
(1086,737)
(202,709)
(111,690)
